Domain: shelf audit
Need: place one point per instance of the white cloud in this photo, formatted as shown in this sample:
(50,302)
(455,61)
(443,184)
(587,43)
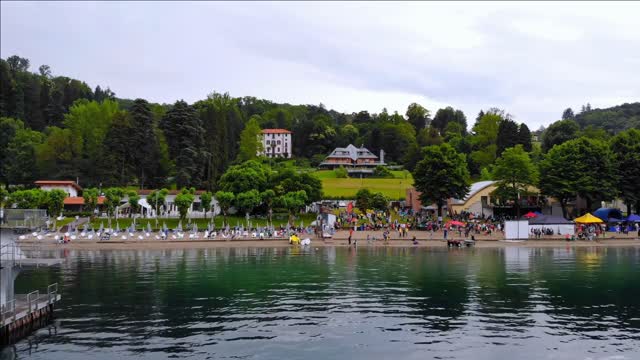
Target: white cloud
(533,59)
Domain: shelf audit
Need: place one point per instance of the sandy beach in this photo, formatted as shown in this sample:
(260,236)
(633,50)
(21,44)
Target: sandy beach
(340,239)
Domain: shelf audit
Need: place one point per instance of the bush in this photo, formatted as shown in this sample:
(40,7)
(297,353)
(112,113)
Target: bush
(382,172)
(341,172)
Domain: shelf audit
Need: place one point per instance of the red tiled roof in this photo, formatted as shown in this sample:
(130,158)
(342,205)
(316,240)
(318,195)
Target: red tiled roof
(276,131)
(79,200)
(59,183)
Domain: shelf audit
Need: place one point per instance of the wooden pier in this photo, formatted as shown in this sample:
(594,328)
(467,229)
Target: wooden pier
(26,313)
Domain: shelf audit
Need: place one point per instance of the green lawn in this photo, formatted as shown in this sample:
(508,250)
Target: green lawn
(278,219)
(347,188)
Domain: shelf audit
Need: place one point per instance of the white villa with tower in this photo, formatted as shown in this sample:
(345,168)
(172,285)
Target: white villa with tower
(276,143)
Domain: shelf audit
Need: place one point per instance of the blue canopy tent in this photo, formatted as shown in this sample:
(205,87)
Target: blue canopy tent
(606,213)
(633,218)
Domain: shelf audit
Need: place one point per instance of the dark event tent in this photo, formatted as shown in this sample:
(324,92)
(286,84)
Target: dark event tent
(606,213)
(549,220)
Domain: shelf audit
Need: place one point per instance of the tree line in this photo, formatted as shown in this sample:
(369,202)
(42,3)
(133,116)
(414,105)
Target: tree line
(56,127)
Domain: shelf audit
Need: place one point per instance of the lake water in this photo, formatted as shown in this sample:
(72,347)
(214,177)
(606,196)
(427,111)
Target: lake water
(369,303)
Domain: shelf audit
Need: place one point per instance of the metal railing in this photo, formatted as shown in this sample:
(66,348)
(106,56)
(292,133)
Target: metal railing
(8,310)
(32,298)
(31,301)
(52,293)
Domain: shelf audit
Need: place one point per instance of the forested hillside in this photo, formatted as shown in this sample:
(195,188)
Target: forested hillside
(55,127)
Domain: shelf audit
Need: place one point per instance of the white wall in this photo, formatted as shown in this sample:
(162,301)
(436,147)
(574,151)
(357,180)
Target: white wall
(514,230)
(285,145)
(66,188)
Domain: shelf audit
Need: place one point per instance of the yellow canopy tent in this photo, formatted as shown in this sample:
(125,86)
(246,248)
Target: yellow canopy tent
(588,219)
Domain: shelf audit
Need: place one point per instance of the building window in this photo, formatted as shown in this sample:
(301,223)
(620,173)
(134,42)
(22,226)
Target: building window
(268,142)
(278,142)
(278,150)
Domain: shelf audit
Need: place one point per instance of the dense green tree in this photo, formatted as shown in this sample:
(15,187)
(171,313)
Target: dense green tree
(184,137)
(57,156)
(289,180)
(246,176)
(515,172)
(8,129)
(205,201)
(28,199)
(222,123)
(248,200)
(225,200)
(583,167)
(88,123)
(183,202)
(112,198)
(379,202)
(22,168)
(483,140)
(146,157)
(567,114)
(507,136)
(134,202)
(558,133)
(118,165)
(157,199)
(440,175)
(90,196)
(417,116)
(447,115)
(54,200)
(293,202)
(524,137)
(626,149)
(250,143)
(363,200)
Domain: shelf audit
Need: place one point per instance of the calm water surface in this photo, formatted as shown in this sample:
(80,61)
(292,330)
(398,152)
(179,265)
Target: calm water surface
(369,303)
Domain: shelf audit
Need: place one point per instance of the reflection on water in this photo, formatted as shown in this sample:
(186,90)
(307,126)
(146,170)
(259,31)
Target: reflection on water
(373,303)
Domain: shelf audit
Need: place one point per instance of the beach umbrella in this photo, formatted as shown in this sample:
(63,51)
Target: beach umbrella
(455,223)
(530,215)
(614,220)
(588,219)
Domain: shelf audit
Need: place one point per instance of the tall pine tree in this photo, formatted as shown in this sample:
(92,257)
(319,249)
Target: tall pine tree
(144,145)
(184,135)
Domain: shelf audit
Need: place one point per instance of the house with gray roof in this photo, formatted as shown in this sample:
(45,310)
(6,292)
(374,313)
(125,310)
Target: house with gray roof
(353,159)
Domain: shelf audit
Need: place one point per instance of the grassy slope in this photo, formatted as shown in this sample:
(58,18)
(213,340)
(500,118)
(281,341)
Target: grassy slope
(347,188)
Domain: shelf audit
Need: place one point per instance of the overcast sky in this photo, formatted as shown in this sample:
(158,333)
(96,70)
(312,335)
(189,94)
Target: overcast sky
(531,59)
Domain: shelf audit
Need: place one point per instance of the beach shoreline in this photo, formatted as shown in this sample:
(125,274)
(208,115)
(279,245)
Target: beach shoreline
(253,243)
